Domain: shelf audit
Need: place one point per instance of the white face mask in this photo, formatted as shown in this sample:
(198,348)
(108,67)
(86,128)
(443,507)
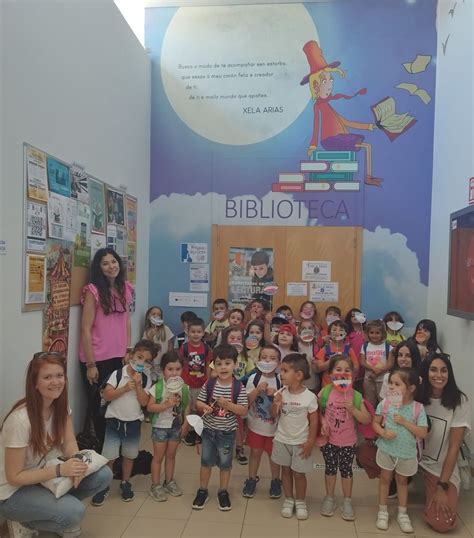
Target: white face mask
(360,317)
(330,318)
(252,342)
(266,367)
(219,314)
(394,398)
(339,337)
(394,325)
(174,384)
(156,321)
(140,367)
(307,335)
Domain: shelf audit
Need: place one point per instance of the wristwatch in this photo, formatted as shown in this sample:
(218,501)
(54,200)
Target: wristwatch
(443,485)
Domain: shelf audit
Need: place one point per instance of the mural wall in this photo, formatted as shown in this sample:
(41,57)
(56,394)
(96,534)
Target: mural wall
(300,114)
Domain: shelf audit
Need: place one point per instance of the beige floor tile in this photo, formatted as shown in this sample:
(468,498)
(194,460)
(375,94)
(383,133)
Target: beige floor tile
(259,510)
(101,526)
(211,511)
(334,523)
(209,529)
(309,531)
(141,482)
(114,505)
(147,526)
(173,508)
(285,528)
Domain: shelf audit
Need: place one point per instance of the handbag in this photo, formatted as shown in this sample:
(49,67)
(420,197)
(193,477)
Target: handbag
(87,438)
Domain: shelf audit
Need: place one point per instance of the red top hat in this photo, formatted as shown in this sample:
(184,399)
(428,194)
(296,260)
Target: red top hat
(315,59)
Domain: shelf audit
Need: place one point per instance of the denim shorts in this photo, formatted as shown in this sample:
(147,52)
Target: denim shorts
(162,435)
(217,448)
(121,434)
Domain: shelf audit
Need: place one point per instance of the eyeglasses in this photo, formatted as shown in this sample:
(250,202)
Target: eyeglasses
(44,354)
(117,305)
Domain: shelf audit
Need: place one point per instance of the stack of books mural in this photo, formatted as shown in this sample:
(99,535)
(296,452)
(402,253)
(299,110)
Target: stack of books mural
(326,171)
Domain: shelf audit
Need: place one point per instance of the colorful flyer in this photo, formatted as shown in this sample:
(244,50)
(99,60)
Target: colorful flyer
(82,244)
(97,205)
(58,288)
(250,272)
(59,177)
(115,207)
(131,208)
(36,175)
(98,241)
(131,262)
(79,185)
(193,252)
(35,292)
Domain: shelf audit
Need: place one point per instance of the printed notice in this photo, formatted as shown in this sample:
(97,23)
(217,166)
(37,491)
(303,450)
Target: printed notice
(199,277)
(327,292)
(197,300)
(62,217)
(193,252)
(36,175)
(296,289)
(316,270)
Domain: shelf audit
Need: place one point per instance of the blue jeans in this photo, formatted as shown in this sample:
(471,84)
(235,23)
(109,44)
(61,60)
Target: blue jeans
(217,448)
(37,508)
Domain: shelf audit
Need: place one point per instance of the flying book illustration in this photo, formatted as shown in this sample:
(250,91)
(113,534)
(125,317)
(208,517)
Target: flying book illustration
(391,123)
(418,65)
(413,89)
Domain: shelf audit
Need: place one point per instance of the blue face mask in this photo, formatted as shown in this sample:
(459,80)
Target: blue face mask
(140,368)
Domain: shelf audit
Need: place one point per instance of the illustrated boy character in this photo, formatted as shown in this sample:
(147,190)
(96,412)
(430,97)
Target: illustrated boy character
(262,274)
(334,135)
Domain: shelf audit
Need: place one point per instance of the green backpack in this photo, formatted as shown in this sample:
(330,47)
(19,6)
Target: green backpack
(159,387)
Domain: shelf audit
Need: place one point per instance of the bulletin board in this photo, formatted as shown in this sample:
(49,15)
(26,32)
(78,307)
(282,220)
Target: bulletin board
(68,215)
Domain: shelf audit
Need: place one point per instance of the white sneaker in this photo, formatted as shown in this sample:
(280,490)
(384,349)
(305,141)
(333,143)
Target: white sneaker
(404,522)
(328,506)
(17,530)
(288,507)
(172,488)
(301,510)
(347,511)
(382,520)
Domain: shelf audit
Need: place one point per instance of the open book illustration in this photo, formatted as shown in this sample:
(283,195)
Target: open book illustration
(419,64)
(391,123)
(413,89)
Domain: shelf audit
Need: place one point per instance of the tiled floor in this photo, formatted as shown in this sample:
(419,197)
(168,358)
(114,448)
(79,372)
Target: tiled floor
(250,518)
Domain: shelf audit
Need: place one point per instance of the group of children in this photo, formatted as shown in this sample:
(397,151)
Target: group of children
(281,385)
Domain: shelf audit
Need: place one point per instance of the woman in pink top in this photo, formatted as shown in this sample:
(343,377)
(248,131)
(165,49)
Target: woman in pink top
(105,325)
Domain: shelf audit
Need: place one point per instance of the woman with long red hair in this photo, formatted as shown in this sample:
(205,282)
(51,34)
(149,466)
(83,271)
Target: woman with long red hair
(38,429)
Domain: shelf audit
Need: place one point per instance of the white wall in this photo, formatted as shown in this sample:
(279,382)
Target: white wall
(453,165)
(76,83)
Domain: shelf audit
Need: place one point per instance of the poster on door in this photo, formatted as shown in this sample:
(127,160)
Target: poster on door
(250,276)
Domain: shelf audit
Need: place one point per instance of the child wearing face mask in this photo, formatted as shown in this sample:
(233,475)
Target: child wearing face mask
(307,346)
(356,320)
(169,404)
(286,339)
(337,333)
(261,386)
(332,313)
(219,321)
(340,408)
(394,323)
(376,358)
(254,340)
(160,334)
(125,391)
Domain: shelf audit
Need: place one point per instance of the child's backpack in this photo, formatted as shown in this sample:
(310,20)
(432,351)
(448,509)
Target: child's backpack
(211,384)
(417,407)
(258,376)
(330,353)
(103,403)
(159,389)
(365,430)
(387,348)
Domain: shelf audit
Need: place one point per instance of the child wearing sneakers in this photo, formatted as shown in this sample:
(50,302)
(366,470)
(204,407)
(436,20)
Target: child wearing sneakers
(221,400)
(296,407)
(340,407)
(125,391)
(169,404)
(261,387)
(196,359)
(398,422)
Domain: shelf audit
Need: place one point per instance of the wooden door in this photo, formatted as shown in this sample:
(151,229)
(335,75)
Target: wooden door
(291,246)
